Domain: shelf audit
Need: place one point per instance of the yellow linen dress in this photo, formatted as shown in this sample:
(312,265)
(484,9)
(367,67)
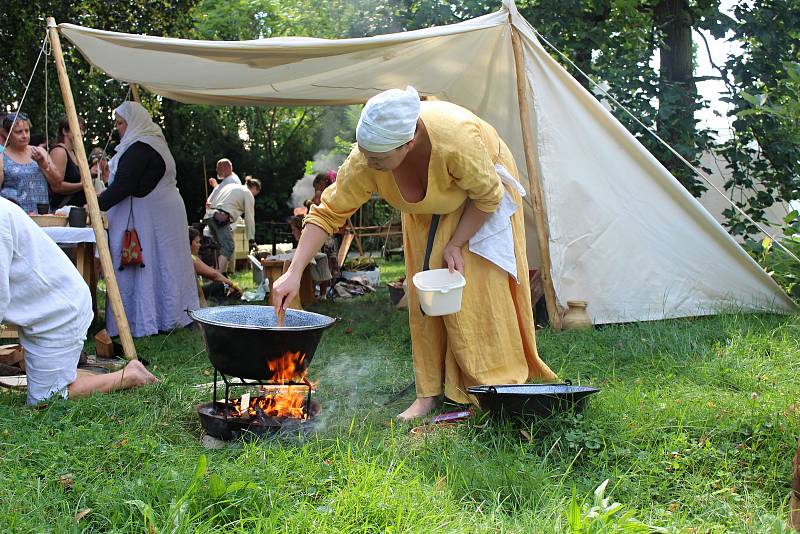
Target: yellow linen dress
(491,340)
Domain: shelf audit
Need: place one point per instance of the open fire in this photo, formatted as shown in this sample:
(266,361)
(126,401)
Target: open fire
(288,403)
(284,398)
(288,368)
(262,368)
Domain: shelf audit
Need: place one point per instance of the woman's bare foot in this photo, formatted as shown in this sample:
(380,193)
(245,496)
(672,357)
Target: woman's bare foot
(419,408)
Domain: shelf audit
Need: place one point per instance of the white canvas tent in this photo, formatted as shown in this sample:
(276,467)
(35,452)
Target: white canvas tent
(623,234)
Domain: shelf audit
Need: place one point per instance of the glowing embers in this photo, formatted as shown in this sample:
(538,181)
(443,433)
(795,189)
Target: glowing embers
(289,401)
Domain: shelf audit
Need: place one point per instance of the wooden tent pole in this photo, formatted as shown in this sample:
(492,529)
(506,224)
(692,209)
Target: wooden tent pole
(91,195)
(135,93)
(542,233)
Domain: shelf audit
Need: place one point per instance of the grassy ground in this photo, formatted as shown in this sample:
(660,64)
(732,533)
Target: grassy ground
(695,427)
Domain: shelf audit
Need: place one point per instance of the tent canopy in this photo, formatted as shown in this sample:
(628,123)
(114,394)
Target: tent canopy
(623,234)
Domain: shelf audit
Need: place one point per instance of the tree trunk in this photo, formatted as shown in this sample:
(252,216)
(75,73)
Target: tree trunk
(677,89)
(583,59)
(674,19)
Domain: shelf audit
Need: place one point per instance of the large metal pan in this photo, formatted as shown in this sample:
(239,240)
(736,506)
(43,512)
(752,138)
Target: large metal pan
(241,340)
(538,400)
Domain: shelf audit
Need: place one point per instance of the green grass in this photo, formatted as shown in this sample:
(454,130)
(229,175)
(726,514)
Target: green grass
(695,427)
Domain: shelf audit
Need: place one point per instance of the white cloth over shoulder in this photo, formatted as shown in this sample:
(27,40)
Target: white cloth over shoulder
(388,120)
(495,239)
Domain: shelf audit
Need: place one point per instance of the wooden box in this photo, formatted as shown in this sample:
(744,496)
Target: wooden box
(49,220)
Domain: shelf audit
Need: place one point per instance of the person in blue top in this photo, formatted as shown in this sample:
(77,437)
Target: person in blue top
(22,173)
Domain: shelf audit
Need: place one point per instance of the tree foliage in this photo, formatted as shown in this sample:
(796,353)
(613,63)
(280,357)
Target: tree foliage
(22,29)
(763,91)
(612,41)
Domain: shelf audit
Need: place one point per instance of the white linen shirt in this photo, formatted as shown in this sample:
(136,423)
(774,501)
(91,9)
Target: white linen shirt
(232,178)
(40,290)
(237,201)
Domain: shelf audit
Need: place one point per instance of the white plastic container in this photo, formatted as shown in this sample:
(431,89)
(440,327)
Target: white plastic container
(439,291)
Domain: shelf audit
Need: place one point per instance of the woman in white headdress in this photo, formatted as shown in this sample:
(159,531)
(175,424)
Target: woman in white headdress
(427,158)
(142,194)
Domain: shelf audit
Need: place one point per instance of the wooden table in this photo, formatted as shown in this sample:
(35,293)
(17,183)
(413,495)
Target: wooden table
(8,331)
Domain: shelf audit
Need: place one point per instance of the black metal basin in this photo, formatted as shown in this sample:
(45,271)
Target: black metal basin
(538,400)
(241,340)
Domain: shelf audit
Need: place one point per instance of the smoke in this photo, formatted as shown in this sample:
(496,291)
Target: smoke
(303,189)
(346,388)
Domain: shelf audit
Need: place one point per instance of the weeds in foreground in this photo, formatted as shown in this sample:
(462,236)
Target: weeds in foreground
(603,516)
(780,265)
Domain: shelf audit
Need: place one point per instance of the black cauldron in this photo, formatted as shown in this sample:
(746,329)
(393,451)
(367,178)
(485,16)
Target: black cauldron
(241,340)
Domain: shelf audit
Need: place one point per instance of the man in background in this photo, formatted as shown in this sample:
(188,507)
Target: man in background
(225,176)
(232,201)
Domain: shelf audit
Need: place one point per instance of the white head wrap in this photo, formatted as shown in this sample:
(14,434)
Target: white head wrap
(140,128)
(388,120)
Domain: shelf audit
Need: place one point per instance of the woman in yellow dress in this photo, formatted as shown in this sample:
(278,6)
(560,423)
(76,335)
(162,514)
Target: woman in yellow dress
(428,158)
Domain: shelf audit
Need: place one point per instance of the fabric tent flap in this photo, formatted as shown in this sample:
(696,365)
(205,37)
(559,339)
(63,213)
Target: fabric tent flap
(623,234)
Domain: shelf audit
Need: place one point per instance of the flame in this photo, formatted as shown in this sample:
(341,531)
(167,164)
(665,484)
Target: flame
(286,404)
(288,368)
(284,401)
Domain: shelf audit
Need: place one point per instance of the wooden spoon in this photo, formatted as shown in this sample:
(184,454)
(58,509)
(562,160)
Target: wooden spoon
(281,313)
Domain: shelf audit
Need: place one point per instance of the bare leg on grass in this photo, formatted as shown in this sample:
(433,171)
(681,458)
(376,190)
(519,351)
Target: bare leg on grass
(134,374)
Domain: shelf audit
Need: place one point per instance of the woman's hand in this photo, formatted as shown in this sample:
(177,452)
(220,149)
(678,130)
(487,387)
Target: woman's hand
(39,155)
(233,290)
(471,220)
(453,258)
(285,289)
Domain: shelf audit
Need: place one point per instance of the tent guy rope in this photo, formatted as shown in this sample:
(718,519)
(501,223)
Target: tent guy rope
(694,169)
(28,86)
